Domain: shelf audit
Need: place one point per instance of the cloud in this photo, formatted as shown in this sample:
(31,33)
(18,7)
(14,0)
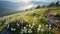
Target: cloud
(17,0)
(26,7)
(21,1)
(46,0)
(29,6)
(27,1)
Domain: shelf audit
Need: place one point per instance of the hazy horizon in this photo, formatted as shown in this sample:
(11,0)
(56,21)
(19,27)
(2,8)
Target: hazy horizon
(9,6)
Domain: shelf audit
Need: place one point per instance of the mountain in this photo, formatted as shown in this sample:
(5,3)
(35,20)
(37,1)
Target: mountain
(40,3)
(10,7)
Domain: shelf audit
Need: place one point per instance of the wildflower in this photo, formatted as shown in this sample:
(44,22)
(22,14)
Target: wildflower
(42,30)
(33,24)
(12,29)
(17,24)
(39,25)
(47,25)
(29,31)
(29,25)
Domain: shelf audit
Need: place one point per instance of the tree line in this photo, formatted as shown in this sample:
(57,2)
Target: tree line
(51,4)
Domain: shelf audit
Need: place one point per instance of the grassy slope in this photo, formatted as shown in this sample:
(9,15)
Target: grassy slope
(27,16)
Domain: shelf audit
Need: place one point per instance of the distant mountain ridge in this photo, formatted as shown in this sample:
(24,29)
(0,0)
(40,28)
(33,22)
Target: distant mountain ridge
(9,7)
(40,3)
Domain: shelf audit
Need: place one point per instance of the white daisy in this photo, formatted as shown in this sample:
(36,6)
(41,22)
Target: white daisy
(12,29)
(29,25)
(33,24)
(47,25)
(42,30)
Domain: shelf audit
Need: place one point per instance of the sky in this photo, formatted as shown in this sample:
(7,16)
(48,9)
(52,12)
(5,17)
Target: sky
(26,4)
(28,1)
(31,0)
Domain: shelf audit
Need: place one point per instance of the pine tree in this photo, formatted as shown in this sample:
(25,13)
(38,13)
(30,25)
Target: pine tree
(57,3)
(52,4)
(38,6)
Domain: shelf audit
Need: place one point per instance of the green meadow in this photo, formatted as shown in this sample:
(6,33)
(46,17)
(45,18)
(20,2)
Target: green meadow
(33,18)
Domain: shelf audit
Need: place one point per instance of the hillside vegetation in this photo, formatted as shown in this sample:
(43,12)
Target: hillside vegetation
(35,20)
